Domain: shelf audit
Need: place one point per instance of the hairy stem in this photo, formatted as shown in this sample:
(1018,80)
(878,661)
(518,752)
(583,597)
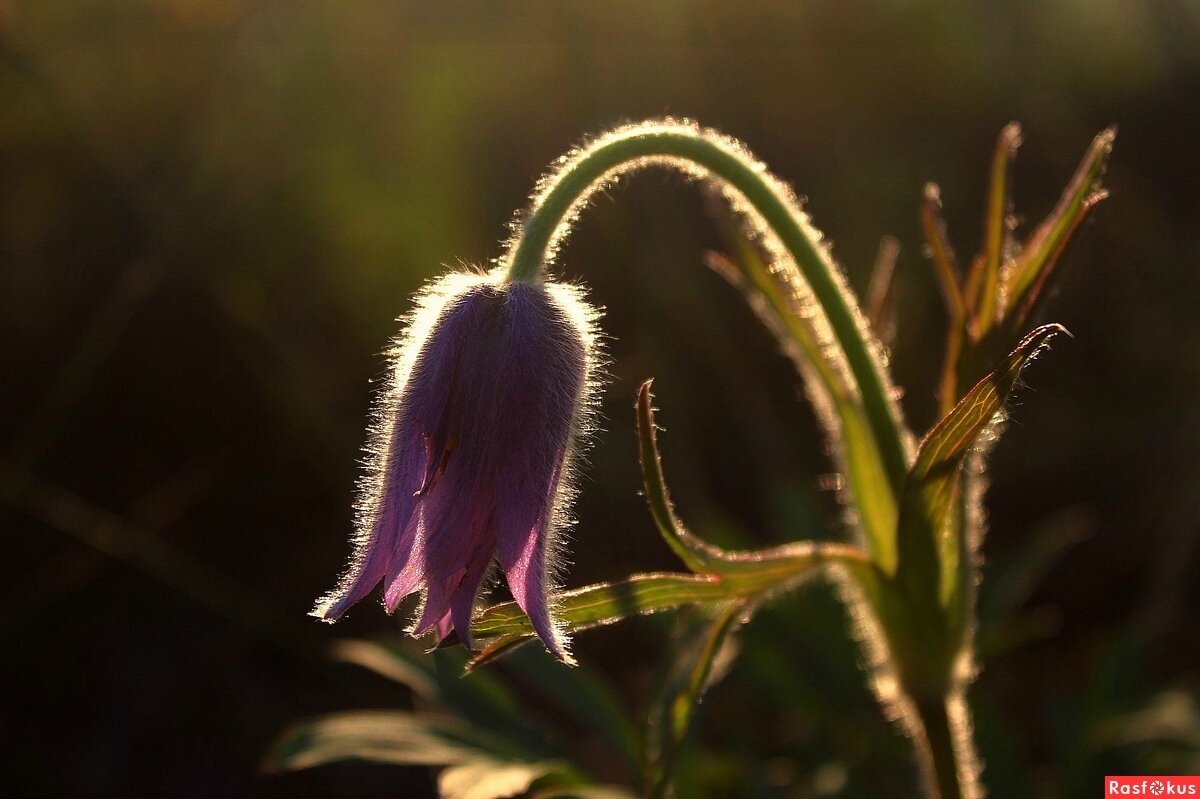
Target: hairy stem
(952,763)
(694,150)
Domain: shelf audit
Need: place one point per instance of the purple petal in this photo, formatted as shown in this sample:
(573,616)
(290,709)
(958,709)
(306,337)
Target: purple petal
(433,406)
(406,572)
(424,373)
(523,558)
(545,366)
(444,626)
(437,602)
(462,604)
(471,454)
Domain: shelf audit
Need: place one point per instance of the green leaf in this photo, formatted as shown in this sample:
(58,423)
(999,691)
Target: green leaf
(945,267)
(953,436)
(724,574)
(595,605)
(997,230)
(386,661)
(881,305)
(748,575)
(696,554)
(693,666)
(380,736)
(584,694)
(482,700)
(931,554)
(586,792)
(477,766)
(484,778)
(773,292)
(778,295)
(1025,283)
(605,603)
(1011,584)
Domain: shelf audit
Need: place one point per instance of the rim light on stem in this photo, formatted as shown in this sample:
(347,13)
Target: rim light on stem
(771,209)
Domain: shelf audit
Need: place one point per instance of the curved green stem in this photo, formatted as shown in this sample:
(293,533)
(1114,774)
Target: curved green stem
(692,149)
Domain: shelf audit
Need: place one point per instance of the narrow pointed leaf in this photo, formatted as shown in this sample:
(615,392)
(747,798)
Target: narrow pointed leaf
(594,606)
(881,294)
(380,736)
(749,575)
(1029,276)
(1036,292)
(974,281)
(386,661)
(692,669)
(584,694)
(928,548)
(945,267)
(1011,584)
(486,778)
(873,468)
(585,792)
(476,766)
(947,391)
(996,228)
(772,296)
(485,701)
(953,436)
(499,647)
(696,554)
(605,603)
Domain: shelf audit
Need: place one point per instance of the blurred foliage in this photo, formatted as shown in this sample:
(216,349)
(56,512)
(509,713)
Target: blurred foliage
(211,212)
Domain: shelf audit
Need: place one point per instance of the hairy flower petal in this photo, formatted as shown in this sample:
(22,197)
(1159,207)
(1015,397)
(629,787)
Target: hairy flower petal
(472,455)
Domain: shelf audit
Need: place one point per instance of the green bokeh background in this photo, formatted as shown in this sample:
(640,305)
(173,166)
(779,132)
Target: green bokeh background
(212,212)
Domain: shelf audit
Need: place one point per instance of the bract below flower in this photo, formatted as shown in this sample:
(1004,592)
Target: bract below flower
(471,456)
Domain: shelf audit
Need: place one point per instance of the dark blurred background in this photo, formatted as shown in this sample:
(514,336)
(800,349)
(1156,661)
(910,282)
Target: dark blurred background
(212,211)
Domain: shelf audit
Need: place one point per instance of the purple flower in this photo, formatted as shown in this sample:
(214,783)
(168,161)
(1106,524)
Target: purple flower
(471,453)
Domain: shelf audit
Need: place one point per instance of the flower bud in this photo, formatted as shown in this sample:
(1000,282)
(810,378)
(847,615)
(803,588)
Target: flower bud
(471,456)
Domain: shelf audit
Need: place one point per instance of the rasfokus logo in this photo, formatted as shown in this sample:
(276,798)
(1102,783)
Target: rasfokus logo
(1151,786)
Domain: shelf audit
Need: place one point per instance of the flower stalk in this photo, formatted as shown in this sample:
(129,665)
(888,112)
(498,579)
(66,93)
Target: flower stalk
(756,192)
(951,753)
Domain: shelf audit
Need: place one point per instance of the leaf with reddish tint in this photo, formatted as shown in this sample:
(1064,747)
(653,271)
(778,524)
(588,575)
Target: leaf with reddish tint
(929,549)
(1029,275)
(882,307)
(945,267)
(997,230)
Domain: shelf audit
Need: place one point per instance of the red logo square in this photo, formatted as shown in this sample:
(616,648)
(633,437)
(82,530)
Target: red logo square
(1151,786)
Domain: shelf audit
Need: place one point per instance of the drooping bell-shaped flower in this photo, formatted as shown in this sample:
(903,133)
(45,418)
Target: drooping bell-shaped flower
(471,456)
